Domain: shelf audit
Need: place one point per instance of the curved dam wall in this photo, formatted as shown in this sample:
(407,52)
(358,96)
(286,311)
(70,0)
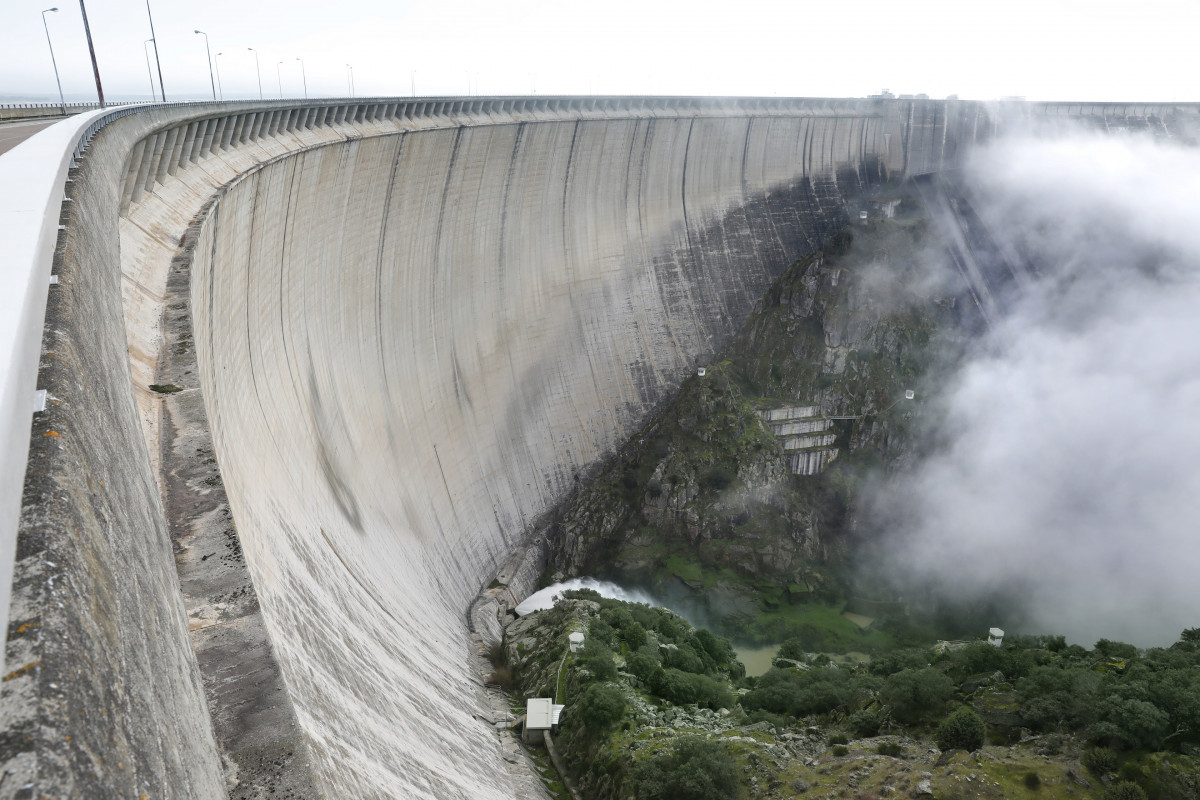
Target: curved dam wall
(410,346)
(402,329)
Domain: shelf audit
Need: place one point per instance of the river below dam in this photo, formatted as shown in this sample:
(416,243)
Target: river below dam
(757,658)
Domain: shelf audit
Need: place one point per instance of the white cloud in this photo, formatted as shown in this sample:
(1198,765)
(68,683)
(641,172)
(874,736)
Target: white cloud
(1071,440)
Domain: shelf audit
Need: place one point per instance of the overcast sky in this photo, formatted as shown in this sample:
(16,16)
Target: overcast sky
(1047,50)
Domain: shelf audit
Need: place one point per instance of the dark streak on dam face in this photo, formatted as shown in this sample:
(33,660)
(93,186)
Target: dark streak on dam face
(412,325)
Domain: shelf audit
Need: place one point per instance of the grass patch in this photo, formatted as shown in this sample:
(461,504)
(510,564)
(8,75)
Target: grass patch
(684,569)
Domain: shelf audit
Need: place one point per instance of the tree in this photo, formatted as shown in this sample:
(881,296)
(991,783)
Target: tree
(791,649)
(1125,790)
(597,659)
(634,635)
(864,722)
(1114,650)
(683,688)
(600,707)
(692,769)
(962,730)
(641,664)
(915,695)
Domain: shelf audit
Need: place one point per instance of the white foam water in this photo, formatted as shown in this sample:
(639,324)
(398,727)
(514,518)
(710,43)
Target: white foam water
(544,598)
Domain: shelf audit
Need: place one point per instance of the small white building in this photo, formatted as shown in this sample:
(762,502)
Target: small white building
(576,640)
(541,715)
(995,637)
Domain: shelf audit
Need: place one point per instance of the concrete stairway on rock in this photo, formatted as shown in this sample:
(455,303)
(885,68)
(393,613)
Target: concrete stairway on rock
(805,436)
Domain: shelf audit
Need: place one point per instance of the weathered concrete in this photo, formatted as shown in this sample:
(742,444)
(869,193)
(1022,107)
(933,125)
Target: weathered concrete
(412,421)
(415,326)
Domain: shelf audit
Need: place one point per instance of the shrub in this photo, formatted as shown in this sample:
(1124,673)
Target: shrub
(1125,790)
(1110,649)
(864,722)
(837,738)
(634,635)
(599,707)
(597,659)
(962,730)
(683,658)
(641,664)
(601,631)
(915,695)
(792,649)
(906,658)
(692,769)
(783,691)
(718,649)
(505,679)
(670,627)
(840,750)
(1032,781)
(1101,760)
(683,688)
(892,749)
(719,477)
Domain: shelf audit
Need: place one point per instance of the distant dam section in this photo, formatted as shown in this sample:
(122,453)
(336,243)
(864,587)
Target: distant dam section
(313,371)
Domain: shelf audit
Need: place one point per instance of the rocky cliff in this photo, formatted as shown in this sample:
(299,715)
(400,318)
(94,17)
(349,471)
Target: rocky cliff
(702,499)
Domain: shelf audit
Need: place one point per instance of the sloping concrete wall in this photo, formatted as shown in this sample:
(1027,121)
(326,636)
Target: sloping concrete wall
(410,346)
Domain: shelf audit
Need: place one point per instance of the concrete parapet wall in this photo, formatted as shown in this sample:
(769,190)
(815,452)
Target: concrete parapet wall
(22,111)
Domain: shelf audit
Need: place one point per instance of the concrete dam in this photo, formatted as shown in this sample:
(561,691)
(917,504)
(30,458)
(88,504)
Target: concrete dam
(313,372)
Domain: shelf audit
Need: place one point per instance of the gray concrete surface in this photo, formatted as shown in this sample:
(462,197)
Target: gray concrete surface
(13,133)
(414,327)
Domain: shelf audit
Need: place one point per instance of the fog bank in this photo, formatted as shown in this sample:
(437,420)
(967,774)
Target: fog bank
(1065,465)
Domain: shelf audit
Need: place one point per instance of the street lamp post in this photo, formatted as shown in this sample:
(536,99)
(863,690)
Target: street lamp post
(304,77)
(208,50)
(161,86)
(257,67)
(217,64)
(412,76)
(149,73)
(92,52)
(53,61)
(350,79)
(279,78)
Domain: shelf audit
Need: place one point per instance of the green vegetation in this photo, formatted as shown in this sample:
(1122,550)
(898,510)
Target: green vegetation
(962,730)
(699,506)
(1124,790)
(638,694)
(916,695)
(600,707)
(893,749)
(691,769)
(700,502)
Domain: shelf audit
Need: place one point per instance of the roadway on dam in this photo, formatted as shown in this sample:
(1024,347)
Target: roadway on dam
(13,133)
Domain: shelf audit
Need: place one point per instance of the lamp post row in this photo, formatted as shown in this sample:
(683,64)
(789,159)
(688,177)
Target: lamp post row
(214,68)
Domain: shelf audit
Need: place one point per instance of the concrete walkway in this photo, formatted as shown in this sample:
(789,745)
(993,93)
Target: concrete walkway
(13,133)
